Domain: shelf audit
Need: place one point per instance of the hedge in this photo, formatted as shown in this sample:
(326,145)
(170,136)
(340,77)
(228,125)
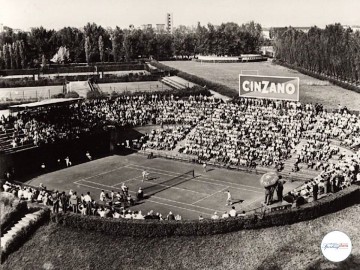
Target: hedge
(155,228)
(22,235)
(319,76)
(217,87)
(20,209)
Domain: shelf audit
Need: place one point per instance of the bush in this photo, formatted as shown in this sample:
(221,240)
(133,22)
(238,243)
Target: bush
(95,95)
(154,228)
(20,209)
(60,95)
(72,94)
(22,235)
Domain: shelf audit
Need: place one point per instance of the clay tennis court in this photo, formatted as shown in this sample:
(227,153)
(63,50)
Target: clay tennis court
(171,185)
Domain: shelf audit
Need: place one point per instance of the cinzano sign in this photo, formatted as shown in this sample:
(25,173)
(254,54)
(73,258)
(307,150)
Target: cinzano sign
(271,87)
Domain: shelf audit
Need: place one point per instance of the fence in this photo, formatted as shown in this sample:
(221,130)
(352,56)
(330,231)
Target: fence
(29,94)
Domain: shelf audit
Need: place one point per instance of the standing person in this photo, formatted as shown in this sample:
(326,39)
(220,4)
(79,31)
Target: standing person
(315,191)
(272,190)
(74,202)
(88,200)
(204,166)
(279,191)
(56,202)
(140,194)
(267,195)
(64,201)
(67,162)
(102,196)
(145,175)
(112,195)
(229,199)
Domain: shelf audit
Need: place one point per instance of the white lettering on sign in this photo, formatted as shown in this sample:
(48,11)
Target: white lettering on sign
(267,87)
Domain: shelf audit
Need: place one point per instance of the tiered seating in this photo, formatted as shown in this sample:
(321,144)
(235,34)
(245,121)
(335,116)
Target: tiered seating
(177,82)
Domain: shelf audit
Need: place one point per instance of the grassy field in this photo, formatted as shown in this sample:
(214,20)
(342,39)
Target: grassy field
(290,247)
(167,188)
(311,90)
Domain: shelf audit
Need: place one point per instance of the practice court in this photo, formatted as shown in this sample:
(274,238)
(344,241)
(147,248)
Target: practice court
(171,185)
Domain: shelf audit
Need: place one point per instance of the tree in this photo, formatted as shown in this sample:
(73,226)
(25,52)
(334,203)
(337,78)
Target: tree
(87,49)
(117,40)
(101,49)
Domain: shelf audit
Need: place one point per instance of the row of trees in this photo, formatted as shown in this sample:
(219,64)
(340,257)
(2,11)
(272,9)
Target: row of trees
(333,51)
(94,43)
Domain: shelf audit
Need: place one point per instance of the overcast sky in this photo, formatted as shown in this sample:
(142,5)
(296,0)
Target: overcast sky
(56,14)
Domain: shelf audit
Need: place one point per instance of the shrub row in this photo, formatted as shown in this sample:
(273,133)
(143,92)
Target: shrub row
(320,76)
(20,209)
(154,228)
(59,80)
(180,93)
(10,72)
(217,87)
(22,235)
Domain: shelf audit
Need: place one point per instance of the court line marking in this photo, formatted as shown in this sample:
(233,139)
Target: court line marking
(202,181)
(99,184)
(174,206)
(201,176)
(96,175)
(131,179)
(221,190)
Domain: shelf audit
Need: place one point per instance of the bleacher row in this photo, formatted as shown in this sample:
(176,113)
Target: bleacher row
(177,82)
(7,144)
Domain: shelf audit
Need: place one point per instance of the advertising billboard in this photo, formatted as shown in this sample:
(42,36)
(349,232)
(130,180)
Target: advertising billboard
(270,87)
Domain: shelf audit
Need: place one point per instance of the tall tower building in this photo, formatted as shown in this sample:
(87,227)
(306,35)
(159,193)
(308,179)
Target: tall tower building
(169,22)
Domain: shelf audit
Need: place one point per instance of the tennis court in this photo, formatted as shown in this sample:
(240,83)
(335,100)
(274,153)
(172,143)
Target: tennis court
(176,186)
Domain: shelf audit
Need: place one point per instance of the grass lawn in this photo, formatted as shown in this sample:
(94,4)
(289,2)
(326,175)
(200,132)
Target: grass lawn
(311,90)
(290,247)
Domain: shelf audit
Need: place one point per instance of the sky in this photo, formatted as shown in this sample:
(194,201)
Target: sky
(24,14)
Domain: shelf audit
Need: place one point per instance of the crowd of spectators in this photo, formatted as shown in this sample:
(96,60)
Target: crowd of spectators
(241,132)
(114,205)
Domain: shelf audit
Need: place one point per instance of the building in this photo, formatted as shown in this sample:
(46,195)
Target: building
(169,22)
(1,28)
(160,27)
(146,26)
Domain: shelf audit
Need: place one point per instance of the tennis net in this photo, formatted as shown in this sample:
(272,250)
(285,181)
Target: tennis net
(161,186)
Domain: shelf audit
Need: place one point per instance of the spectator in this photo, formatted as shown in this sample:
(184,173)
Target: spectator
(88,201)
(215,216)
(74,202)
(233,212)
(140,194)
(170,216)
(225,215)
(315,190)
(64,201)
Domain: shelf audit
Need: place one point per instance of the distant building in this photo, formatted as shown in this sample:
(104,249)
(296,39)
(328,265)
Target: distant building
(160,27)
(1,28)
(146,26)
(169,22)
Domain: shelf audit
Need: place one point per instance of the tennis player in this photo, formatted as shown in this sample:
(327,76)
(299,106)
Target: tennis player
(145,175)
(229,199)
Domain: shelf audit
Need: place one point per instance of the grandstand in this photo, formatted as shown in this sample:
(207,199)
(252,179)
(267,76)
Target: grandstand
(177,82)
